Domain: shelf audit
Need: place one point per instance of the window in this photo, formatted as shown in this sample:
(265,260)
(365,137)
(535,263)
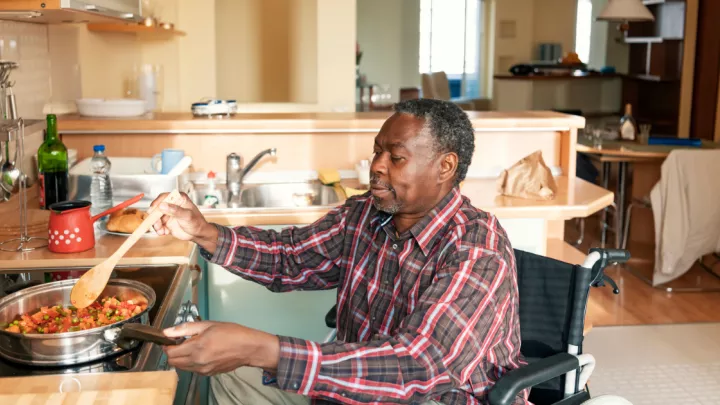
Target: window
(583,28)
(450,42)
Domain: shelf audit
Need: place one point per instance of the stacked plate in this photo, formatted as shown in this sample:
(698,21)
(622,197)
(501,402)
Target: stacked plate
(10,212)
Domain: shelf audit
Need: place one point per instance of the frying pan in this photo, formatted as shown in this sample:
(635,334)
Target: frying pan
(70,348)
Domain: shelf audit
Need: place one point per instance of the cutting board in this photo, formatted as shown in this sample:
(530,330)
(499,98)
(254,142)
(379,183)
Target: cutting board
(119,388)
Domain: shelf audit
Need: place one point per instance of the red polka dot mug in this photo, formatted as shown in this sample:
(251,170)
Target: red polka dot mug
(70,229)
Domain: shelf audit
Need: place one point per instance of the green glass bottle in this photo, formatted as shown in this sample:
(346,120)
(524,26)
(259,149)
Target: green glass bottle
(52,167)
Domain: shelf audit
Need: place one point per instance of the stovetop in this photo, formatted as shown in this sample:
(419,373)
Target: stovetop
(124,361)
(160,279)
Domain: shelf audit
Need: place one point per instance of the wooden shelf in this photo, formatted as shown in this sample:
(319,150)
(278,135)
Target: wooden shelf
(656,2)
(649,40)
(653,78)
(134,29)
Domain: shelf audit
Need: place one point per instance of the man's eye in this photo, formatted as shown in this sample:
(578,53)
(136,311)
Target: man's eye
(395,158)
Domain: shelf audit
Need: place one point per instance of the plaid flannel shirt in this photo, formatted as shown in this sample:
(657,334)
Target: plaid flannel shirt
(430,314)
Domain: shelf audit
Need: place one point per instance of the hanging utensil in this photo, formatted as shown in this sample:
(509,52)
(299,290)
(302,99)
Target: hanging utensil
(91,284)
(10,173)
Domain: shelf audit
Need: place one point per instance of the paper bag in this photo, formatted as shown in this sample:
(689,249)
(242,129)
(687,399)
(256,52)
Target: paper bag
(529,178)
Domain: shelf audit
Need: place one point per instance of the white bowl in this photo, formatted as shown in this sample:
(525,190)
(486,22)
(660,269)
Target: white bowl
(98,107)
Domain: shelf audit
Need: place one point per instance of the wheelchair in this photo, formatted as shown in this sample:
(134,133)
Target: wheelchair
(553,301)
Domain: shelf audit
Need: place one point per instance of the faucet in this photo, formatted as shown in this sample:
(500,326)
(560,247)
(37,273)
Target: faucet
(236,172)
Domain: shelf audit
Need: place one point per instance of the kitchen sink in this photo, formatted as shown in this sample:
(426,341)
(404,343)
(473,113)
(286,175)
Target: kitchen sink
(273,195)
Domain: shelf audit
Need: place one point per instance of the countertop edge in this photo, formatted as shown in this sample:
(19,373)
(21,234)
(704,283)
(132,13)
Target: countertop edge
(269,123)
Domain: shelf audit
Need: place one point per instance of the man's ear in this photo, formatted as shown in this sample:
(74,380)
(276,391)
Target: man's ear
(448,167)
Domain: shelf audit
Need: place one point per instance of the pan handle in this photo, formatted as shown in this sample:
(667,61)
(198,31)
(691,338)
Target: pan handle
(146,333)
(118,207)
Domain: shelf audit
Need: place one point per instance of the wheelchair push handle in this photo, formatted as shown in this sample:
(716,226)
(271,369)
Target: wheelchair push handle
(612,255)
(598,259)
(618,255)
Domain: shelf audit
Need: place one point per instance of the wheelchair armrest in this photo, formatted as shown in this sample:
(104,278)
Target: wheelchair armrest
(508,386)
(331,318)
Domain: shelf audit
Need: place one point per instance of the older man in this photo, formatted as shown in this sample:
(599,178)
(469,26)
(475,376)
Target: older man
(427,303)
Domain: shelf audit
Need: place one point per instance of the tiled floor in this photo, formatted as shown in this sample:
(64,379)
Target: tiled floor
(657,364)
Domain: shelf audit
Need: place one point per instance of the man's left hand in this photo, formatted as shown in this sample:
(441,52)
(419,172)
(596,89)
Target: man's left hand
(219,347)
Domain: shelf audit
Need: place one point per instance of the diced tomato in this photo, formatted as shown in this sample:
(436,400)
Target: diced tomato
(37,317)
(59,320)
(102,318)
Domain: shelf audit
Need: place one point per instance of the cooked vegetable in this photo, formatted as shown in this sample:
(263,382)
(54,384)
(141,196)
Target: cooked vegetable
(55,319)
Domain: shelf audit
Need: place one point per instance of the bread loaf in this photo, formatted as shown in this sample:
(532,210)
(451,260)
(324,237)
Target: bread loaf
(126,221)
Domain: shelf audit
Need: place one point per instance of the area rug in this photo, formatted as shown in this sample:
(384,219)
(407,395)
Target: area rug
(657,364)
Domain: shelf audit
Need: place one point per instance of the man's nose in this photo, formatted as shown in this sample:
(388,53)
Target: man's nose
(379,165)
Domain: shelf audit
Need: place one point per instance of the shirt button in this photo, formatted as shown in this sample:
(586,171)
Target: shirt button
(344,394)
(296,386)
(374,318)
(394,245)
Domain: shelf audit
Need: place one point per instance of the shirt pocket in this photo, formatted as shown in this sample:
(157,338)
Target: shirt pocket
(414,282)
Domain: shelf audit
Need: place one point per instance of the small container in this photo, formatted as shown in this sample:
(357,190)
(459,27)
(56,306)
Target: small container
(211,199)
(363,172)
(70,228)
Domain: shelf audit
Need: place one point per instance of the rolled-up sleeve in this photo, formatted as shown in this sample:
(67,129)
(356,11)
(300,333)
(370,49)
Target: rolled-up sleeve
(457,323)
(306,257)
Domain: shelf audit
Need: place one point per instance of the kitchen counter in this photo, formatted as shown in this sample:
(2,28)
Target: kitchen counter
(580,76)
(295,123)
(148,250)
(310,142)
(594,95)
(580,200)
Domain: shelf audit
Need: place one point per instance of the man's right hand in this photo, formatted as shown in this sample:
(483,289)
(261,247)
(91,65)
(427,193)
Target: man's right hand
(185,222)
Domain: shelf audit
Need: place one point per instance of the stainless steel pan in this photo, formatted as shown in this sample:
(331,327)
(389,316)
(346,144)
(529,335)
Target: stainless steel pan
(71,348)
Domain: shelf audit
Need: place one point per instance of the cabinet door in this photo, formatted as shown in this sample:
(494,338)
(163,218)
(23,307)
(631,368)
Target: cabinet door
(298,314)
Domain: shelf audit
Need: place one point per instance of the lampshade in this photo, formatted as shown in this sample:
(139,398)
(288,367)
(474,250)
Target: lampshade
(625,10)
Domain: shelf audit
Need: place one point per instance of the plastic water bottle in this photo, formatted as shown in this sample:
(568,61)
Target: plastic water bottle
(100,188)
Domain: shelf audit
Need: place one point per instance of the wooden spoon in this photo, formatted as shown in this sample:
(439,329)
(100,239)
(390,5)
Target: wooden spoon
(89,287)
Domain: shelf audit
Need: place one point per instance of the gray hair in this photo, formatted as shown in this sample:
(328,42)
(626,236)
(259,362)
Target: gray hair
(449,126)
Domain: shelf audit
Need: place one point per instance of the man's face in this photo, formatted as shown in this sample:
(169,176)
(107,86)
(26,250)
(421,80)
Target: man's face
(405,169)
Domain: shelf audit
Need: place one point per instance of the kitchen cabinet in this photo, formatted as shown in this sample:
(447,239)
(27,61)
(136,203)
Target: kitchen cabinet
(301,314)
(64,11)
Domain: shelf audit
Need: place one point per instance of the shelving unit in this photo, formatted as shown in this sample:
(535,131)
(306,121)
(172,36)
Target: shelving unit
(134,29)
(655,66)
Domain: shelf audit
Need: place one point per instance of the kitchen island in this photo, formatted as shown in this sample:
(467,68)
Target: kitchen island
(593,94)
(308,142)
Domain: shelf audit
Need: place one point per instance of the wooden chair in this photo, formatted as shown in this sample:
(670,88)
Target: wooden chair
(436,85)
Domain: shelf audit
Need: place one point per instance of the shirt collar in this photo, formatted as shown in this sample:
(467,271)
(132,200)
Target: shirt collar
(429,229)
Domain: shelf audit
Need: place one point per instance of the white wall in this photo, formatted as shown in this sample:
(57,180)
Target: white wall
(604,47)
(389,36)
(514,32)
(336,36)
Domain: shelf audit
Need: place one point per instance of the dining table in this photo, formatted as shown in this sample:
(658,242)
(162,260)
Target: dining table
(623,154)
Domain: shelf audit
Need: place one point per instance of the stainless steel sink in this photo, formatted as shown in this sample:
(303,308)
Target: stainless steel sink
(274,195)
